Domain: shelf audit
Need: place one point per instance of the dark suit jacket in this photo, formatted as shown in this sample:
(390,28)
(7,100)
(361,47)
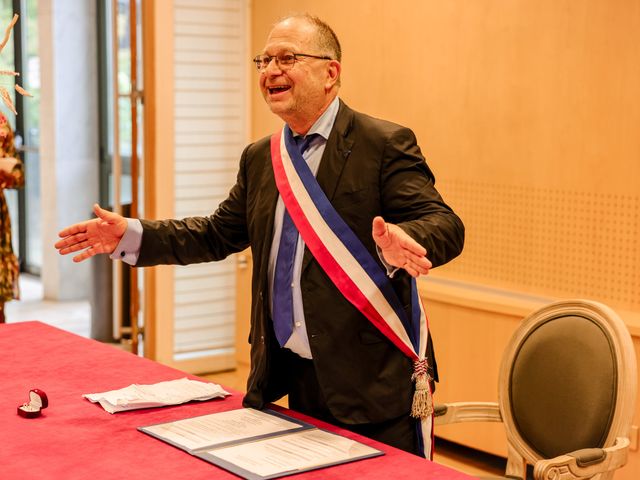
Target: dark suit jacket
(370,167)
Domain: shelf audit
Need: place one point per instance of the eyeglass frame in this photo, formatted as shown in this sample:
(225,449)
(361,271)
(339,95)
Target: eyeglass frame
(260,59)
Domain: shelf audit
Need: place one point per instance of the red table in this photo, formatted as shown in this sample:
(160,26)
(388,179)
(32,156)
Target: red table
(76,439)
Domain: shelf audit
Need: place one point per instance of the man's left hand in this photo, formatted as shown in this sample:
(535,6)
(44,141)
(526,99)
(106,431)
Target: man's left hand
(399,249)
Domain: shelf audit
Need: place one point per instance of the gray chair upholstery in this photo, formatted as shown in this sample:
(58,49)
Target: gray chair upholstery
(567,393)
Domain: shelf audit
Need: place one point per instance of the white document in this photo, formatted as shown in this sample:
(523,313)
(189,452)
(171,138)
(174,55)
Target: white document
(218,428)
(172,392)
(259,444)
(295,452)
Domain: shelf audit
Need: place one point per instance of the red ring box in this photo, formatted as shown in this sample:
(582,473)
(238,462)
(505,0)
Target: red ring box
(37,401)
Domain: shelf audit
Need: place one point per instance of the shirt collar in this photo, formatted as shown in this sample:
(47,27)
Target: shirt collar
(324,124)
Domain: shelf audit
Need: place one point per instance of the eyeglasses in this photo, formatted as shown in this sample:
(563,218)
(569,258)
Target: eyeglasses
(285,61)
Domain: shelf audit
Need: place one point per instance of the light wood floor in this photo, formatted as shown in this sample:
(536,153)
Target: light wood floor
(447,453)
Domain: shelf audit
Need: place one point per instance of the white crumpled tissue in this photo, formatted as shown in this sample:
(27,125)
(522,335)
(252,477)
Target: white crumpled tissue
(171,392)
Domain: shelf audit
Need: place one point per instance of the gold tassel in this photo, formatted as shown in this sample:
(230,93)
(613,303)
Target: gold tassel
(422,406)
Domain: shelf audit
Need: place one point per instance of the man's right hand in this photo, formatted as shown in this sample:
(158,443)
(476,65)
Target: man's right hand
(99,235)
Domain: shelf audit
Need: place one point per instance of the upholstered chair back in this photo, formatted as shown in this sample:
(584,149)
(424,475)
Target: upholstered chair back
(568,380)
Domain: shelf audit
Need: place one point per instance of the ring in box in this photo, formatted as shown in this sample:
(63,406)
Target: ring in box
(37,401)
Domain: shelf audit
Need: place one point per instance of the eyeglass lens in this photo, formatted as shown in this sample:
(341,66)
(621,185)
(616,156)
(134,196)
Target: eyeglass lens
(285,60)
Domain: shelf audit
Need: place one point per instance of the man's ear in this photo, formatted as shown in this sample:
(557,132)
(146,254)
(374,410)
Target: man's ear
(333,68)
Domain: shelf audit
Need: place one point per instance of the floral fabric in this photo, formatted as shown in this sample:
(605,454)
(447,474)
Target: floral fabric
(9,267)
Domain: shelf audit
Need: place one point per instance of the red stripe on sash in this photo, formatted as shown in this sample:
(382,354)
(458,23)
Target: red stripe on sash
(329,264)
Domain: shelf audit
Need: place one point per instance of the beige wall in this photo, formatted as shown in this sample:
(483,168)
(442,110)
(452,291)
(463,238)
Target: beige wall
(529,114)
(528,111)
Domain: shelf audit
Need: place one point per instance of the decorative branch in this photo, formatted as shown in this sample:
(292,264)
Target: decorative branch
(4,93)
(6,98)
(22,91)
(7,32)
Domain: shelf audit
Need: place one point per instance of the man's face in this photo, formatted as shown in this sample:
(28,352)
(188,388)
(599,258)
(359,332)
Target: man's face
(297,94)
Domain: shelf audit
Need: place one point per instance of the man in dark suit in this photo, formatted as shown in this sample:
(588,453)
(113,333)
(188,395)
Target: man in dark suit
(334,365)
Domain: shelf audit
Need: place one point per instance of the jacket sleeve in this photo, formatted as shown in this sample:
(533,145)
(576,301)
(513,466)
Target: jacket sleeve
(199,239)
(410,199)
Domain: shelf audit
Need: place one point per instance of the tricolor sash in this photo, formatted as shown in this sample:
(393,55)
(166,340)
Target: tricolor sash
(353,269)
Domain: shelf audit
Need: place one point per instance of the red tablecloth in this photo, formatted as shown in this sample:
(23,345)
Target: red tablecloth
(76,439)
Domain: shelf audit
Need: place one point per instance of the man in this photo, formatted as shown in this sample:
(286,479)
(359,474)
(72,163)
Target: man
(378,192)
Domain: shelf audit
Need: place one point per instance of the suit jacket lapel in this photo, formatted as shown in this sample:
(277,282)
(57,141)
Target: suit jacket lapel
(336,152)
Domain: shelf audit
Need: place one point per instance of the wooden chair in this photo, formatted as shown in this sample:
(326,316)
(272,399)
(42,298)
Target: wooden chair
(567,393)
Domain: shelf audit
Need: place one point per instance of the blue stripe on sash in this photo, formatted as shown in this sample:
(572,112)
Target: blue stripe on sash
(420,438)
(416,317)
(353,243)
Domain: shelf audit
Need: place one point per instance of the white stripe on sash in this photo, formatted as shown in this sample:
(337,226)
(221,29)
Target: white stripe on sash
(349,275)
(339,252)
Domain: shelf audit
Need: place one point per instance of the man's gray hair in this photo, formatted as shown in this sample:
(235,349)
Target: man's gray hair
(327,39)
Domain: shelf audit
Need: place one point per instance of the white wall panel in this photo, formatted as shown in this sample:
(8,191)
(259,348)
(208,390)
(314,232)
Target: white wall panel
(210,60)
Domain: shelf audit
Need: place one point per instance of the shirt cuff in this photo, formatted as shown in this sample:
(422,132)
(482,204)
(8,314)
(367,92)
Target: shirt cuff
(128,250)
(391,270)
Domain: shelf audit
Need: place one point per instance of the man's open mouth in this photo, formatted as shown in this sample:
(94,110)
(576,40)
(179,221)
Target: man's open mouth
(278,89)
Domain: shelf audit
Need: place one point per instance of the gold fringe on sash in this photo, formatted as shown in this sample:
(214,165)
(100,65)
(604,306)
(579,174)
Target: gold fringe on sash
(422,406)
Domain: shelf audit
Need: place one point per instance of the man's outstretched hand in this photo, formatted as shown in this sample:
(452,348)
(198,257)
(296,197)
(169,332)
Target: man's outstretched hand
(99,235)
(399,249)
